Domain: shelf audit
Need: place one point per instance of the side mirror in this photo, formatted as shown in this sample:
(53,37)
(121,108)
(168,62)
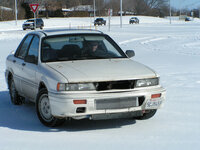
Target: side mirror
(31,59)
(130,53)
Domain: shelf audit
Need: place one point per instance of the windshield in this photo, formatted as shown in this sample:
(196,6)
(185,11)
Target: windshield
(30,21)
(79,47)
(99,19)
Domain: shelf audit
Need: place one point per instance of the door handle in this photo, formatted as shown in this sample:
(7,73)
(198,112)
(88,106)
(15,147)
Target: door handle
(23,64)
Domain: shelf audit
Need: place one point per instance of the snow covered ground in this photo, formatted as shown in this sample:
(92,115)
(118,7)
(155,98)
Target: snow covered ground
(172,50)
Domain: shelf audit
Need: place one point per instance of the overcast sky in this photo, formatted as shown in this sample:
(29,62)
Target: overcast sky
(185,4)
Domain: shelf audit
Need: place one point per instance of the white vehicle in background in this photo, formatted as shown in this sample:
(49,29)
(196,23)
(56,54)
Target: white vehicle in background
(30,24)
(81,74)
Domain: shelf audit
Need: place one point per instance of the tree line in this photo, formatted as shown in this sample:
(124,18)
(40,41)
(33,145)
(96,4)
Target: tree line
(138,7)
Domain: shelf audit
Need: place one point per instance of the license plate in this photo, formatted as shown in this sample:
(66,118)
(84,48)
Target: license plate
(153,103)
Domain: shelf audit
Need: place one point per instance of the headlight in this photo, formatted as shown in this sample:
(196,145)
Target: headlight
(147,82)
(75,87)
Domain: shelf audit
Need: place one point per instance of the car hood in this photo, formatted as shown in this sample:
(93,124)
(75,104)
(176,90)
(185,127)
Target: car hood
(102,70)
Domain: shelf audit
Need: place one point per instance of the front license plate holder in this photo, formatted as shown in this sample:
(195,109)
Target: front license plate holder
(151,104)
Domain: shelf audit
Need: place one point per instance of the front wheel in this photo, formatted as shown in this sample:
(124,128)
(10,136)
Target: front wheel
(44,110)
(147,115)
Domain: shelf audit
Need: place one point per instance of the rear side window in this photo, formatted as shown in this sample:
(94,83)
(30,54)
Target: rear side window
(21,52)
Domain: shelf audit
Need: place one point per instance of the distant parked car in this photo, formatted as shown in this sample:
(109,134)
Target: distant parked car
(134,20)
(29,24)
(99,21)
(81,74)
(188,19)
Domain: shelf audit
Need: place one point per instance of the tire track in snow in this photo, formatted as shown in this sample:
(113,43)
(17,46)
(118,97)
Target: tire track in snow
(153,40)
(195,44)
(134,39)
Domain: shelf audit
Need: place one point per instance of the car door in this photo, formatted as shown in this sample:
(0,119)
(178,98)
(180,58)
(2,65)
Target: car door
(18,62)
(30,68)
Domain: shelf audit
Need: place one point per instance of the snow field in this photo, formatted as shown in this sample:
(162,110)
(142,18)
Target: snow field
(172,50)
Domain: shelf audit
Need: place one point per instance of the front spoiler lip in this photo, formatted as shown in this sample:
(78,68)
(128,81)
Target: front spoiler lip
(107,116)
(104,112)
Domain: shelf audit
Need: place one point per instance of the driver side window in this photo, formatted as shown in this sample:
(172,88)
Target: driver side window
(32,55)
(21,53)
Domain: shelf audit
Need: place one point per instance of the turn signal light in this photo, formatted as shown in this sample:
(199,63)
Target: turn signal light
(156,95)
(80,101)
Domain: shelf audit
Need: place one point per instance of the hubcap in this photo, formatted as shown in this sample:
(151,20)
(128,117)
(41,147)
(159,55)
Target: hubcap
(44,108)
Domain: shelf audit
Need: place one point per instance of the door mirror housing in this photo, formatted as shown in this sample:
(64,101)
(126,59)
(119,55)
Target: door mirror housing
(130,53)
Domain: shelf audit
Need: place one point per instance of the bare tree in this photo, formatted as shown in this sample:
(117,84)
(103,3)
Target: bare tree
(146,7)
(152,4)
(100,7)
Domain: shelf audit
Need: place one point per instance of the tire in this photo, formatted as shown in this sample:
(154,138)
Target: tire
(147,115)
(44,114)
(14,96)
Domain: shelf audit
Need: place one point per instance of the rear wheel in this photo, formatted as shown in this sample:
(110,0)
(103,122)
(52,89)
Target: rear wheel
(148,114)
(15,98)
(44,110)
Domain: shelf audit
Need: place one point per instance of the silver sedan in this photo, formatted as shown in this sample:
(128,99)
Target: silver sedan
(81,74)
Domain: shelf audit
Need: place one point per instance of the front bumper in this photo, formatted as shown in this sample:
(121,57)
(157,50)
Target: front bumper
(62,105)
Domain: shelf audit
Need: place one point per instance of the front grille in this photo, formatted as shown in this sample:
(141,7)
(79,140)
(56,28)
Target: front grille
(116,103)
(114,85)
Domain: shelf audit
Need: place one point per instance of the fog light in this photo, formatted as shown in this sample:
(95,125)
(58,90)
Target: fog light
(80,110)
(156,95)
(80,101)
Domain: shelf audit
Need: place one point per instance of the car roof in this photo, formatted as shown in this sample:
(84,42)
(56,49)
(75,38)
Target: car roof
(53,32)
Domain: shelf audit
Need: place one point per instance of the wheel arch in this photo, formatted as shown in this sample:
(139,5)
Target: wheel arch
(42,85)
(9,76)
